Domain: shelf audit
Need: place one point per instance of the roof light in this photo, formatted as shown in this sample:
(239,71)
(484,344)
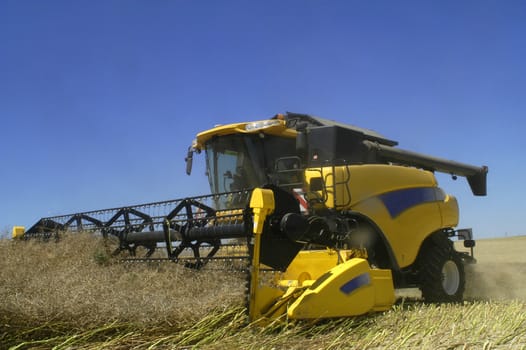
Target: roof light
(262,124)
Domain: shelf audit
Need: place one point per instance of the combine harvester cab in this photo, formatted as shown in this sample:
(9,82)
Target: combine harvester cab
(328,219)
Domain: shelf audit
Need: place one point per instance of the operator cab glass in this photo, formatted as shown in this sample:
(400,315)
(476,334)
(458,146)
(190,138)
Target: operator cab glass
(245,161)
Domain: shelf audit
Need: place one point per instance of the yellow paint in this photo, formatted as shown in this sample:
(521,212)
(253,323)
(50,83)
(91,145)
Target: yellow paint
(18,232)
(280,129)
(449,210)
(262,204)
(326,297)
(313,263)
(358,188)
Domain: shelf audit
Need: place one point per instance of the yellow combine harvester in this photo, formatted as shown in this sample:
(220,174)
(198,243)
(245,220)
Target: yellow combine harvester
(334,218)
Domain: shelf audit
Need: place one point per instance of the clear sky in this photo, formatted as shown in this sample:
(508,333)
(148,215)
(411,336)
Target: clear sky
(99,100)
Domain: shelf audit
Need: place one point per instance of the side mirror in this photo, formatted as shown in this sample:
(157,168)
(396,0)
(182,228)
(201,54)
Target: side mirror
(469,243)
(465,234)
(189,160)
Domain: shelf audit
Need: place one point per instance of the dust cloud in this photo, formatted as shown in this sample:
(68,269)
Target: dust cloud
(496,281)
(500,271)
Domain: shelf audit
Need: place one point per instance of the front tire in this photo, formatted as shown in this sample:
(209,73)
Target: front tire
(440,270)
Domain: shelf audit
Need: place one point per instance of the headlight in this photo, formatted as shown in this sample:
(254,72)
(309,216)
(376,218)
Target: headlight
(262,124)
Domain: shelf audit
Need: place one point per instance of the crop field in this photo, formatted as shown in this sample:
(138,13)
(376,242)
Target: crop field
(69,295)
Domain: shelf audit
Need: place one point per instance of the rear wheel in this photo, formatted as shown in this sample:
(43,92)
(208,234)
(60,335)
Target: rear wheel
(440,270)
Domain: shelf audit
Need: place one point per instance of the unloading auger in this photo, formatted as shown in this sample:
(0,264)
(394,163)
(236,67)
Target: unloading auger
(337,215)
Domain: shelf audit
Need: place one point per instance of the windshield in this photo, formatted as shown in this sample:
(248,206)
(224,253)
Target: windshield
(244,161)
(233,164)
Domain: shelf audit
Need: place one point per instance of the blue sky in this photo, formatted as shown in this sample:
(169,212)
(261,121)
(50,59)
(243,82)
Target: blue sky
(99,100)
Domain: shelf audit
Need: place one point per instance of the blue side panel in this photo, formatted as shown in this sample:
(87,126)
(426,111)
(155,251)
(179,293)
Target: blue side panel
(355,283)
(397,202)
